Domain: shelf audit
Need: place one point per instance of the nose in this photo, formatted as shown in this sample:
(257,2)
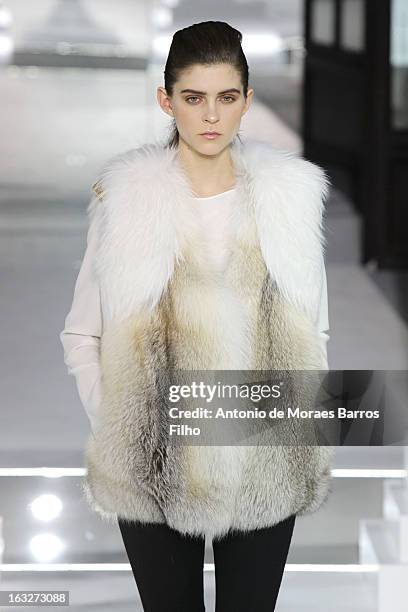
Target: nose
(211,114)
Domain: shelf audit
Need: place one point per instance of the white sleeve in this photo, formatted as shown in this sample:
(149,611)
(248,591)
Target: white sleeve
(323,316)
(81,335)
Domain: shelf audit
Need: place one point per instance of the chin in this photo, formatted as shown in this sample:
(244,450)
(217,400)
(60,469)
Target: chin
(211,147)
(208,147)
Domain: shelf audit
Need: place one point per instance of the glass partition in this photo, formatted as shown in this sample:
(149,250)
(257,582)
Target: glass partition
(399,64)
(323,20)
(352,25)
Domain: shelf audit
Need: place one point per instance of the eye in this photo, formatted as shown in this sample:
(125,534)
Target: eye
(192,98)
(229,98)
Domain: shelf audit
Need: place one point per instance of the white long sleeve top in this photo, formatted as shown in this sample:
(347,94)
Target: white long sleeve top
(83,324)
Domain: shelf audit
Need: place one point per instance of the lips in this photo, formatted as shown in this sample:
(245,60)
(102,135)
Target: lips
(210,135)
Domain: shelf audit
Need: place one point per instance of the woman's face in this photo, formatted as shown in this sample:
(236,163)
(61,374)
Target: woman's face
(207,98)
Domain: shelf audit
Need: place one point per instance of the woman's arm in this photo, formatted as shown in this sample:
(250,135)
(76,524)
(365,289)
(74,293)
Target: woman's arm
(323,317)
(81,335)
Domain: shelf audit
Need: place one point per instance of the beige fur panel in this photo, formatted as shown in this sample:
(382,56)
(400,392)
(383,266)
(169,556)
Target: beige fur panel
(197,488)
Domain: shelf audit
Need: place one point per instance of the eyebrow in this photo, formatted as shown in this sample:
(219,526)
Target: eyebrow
(204,93)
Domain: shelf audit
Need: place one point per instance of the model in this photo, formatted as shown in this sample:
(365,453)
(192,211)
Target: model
(205,253)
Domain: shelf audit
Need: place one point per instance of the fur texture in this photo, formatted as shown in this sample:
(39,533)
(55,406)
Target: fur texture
(164,312)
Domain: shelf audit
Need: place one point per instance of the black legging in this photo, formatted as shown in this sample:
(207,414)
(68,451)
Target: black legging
(168,567)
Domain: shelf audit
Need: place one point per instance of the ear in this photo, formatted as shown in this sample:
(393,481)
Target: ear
(248,101)
(164,101)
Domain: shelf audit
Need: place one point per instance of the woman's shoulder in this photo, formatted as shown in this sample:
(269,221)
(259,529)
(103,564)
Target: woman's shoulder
(288,173)
(264,157)
(132,165)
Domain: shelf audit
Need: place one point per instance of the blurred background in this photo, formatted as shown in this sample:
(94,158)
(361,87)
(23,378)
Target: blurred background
(78,83)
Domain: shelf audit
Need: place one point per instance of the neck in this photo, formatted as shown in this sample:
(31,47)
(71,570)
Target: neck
(208,174)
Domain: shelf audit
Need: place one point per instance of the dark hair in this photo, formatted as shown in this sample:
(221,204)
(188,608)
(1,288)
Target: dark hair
(208,42)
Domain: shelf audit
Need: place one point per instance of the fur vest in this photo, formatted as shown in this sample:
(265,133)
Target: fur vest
(164,309)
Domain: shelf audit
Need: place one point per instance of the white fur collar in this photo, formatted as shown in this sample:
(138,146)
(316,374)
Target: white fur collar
(146,194)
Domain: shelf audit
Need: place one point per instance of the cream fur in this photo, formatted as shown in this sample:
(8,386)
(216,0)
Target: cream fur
(164,311)
(147,204)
